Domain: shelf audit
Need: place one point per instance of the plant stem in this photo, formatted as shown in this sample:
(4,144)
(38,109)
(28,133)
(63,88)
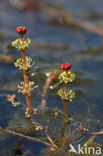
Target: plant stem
(17,149)
(66,110)
(26,80)
(63,129)
(65,101)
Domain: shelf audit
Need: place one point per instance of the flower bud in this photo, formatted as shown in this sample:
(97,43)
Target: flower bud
(65,66)
(21,30)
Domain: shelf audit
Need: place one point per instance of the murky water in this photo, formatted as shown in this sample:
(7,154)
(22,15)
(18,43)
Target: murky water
(51,45)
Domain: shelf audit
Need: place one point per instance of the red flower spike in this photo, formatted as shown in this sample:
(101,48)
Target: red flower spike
(21,30)
(65,66)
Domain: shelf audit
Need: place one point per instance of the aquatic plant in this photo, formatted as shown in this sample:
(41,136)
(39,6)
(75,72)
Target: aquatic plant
(24,64)
(66,77)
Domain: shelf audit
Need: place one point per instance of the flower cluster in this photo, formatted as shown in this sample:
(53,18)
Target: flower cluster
(22,88)
(20,44)
(19,63)
(66,77)
(66,96)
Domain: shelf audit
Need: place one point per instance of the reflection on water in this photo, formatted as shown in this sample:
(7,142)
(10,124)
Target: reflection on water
(52,44)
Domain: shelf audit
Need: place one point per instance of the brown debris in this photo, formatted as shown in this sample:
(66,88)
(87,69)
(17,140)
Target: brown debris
(97,133)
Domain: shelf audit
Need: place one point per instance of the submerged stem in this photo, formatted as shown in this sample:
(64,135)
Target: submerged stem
(66,110)
(63,129)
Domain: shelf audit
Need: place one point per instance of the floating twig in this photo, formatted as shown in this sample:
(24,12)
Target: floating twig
(25,136)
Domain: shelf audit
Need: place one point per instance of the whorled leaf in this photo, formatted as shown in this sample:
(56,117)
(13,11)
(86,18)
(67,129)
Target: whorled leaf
(66,96)
(67,77)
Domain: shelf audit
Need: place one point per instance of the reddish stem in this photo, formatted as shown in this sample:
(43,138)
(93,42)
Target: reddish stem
(65,101)
(26,80)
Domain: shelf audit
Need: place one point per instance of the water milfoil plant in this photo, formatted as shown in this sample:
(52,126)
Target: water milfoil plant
(25,63)
(66,77)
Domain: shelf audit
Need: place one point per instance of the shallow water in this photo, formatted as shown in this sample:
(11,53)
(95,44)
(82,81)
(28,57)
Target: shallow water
(52,45)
